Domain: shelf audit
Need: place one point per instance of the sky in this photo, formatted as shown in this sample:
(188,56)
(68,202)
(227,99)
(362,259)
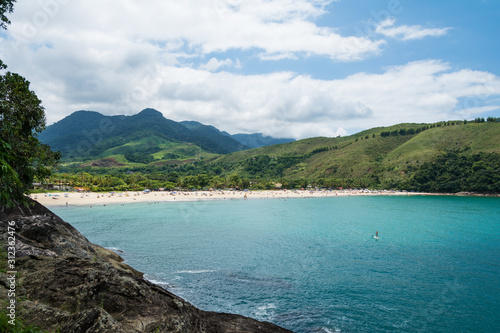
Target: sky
(285,68)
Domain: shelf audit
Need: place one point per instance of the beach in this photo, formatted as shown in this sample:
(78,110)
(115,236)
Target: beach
(95,198)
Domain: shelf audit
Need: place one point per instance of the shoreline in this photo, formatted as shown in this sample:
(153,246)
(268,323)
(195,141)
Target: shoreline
(50,252)
(52,199)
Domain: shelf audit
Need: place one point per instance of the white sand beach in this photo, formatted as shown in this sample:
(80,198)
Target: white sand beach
(94,198)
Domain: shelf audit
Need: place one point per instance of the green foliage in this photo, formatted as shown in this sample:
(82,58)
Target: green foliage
(3,258)
(23,157)
(267,166)
(170,156)
(139,157)
(18,327)
(6,7)
(457,171)
(323,149)
(403,131)
(10,181)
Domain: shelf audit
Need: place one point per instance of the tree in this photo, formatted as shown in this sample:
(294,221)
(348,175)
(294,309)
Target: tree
(6,6)
(190,182)
(203,180)
(173,177)
(234,181)
(245,183)
(218,182)
(22,156)
(168,185)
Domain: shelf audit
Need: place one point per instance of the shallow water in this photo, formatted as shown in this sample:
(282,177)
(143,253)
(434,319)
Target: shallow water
(311,265)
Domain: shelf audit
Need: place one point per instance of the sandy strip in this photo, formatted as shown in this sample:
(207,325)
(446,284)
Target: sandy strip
(92,198)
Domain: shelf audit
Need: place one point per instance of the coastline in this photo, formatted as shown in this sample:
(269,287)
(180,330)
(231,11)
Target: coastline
(51,199)
(64,283)
(42,268)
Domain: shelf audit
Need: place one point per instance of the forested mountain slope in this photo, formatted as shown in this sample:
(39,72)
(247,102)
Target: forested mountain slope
(383,157)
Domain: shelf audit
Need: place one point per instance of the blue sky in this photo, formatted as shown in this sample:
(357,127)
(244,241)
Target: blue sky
(287,68)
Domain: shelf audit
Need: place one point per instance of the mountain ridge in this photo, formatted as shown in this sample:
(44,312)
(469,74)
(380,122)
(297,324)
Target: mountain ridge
(84,134)
(254,140)
(87,133)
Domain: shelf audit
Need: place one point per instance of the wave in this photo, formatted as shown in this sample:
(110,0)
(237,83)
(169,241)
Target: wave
(203,271)
(160,283)
(115,249)
(327,330)
(266,312)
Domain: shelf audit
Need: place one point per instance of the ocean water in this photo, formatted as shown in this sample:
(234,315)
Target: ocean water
(311,265)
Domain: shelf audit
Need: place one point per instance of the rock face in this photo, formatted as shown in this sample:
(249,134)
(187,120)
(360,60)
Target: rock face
(67,284)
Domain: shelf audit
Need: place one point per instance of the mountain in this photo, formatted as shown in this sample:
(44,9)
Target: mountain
(208,131)
(255,140)
(258,140)
(450,156)
(91,134)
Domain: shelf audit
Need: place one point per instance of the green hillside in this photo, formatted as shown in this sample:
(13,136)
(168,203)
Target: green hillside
(87,134)
(139,150)
(381,157)
(443,157)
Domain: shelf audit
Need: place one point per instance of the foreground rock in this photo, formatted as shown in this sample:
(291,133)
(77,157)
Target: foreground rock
(67,284)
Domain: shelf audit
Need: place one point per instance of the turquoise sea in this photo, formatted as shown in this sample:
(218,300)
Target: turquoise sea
(311,265)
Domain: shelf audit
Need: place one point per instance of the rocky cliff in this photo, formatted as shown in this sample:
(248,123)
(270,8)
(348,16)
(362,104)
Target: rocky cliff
(67,284)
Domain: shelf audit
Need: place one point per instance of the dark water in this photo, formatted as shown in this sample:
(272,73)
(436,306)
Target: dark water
(311,265)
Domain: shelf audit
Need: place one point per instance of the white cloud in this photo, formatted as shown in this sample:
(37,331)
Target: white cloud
(473,111)
(276,57)
(118,57)
(285,104)
(294,105)
(279,27)
(405,32)
(128,78)
(214,64)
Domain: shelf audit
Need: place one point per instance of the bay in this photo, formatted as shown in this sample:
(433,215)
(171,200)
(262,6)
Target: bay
(312,265)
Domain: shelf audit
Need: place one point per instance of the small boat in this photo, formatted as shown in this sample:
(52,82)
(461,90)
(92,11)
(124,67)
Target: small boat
(376,235)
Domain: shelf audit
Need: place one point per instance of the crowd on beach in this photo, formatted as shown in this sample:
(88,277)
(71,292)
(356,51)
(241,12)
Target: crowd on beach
(96,198)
